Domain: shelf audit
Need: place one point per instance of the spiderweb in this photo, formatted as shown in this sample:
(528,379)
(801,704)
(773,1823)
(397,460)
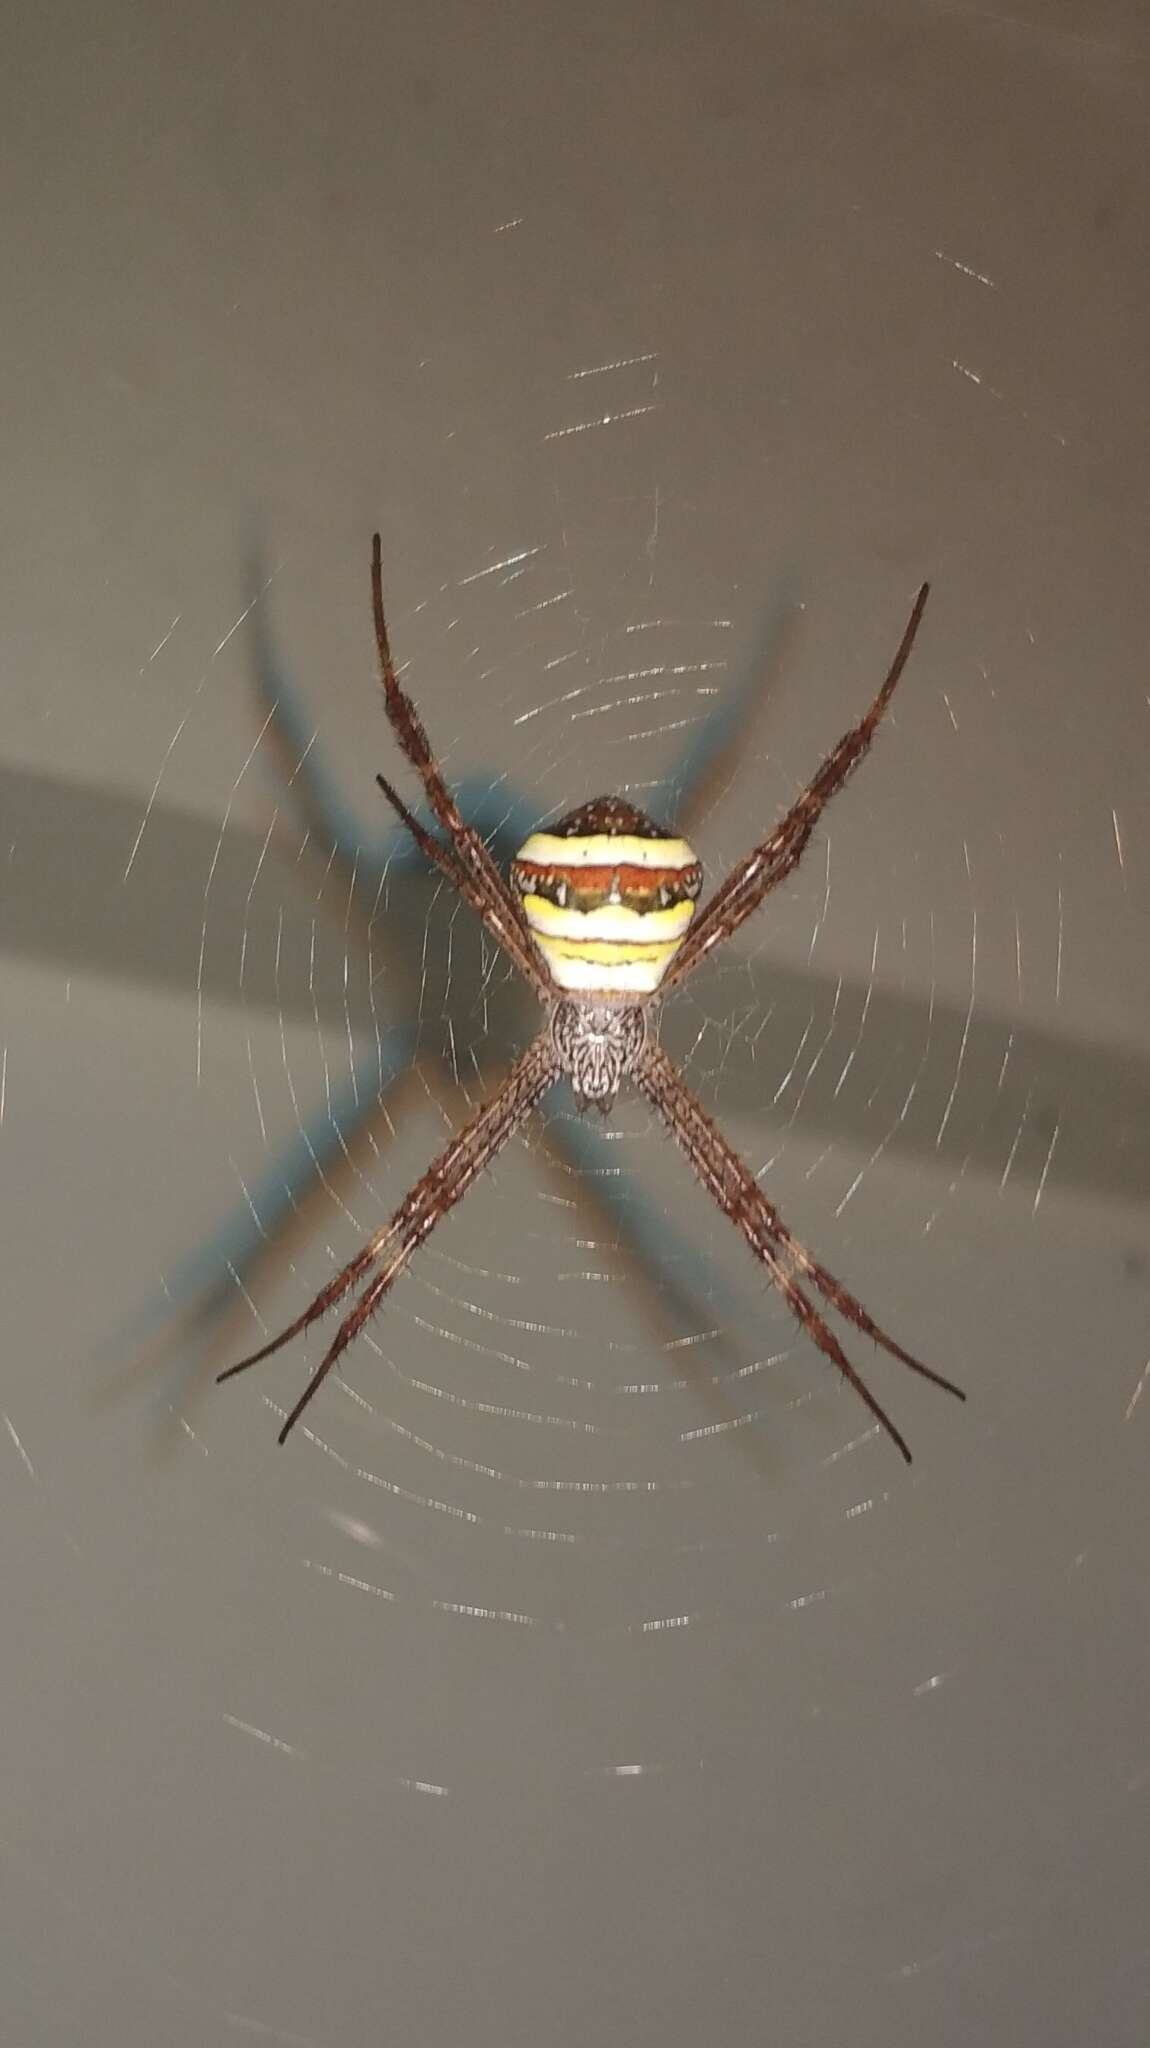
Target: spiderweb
(669,360)
(583,1357)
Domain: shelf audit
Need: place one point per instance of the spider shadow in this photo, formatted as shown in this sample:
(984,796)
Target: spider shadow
(401,921)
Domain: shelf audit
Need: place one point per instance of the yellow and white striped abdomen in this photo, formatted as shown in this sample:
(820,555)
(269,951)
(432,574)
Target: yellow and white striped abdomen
(608,897)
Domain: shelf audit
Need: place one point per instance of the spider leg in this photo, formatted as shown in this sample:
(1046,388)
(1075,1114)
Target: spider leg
(446,859)
(446,1180)
(489,894)
(769,863)
(365,1307)
(740,1198)
(841,1298)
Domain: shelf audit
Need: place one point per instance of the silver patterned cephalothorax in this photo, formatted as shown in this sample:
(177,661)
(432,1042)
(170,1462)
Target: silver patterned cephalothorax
(602,917)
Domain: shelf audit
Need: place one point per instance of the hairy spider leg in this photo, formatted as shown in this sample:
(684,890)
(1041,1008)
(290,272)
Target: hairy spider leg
(743,1202)
(450,864)
(496,904)
(446,1180)
(769,863)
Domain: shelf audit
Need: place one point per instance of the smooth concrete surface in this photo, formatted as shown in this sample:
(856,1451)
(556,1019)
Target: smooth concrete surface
(588,1669)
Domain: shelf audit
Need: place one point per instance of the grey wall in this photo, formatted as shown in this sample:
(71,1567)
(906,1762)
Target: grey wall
(588,1667)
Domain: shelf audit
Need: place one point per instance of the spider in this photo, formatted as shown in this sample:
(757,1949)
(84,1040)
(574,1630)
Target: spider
(601,917)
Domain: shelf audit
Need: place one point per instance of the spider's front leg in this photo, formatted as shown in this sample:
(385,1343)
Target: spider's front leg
(740,1198)
(445,1182)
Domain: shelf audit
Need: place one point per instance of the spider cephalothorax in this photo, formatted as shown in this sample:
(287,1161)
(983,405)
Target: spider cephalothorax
(597,1044)
(600,917)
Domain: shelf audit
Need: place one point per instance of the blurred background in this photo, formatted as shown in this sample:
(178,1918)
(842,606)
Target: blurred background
(586,1664)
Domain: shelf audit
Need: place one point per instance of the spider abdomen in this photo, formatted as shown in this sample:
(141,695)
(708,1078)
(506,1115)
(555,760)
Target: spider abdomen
(608,896)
